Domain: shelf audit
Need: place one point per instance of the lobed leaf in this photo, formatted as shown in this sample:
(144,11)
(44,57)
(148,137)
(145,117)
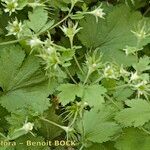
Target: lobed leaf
(23,83)
(137,115)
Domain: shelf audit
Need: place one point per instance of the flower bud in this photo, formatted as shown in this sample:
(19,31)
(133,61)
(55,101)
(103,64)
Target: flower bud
(134,76)
(71,30)
(141,31)
(109,72)
(98,13)
(35,42)
(131,50)
(28,126)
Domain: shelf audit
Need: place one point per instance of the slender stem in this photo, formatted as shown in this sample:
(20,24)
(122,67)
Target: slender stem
(67,135)
(83,132)
(146,11)
(53,123)
(67,117)
(2,135)
(71,45)
(146,131)
(78,64)
(74,119)
(65,128)
(109,98)
(55,25)
(87,77)
(81,147)
(68,72)
(58,23)
(121,86)
(61,21)
(32,133)
(137,46)
(99,79)
(11,42)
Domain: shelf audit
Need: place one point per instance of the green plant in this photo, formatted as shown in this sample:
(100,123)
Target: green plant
(77,71)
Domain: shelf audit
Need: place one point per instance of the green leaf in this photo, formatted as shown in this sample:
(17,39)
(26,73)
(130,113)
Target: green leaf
(112,34)
(137,115)
(22,81)
(69,92)
(7,148)
(3,122)
(143,64)
(47,26)
(38,19)
(22,3)
(98,126)
(133,139)
(123,94)
(59,4)
(96,146)
(11,58)
(135,4)
(117,56)
(59,148)
(105,146)
(93,95)
(34,98)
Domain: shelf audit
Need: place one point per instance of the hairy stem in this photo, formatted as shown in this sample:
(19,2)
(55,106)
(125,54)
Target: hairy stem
(53,123)
(82,146)
(87,77)
(74,119)
(137,46)
(146,131)
(2,135)
(61,21)
(11,42)
(68,72)
(78,64)
(98,80)
(145,13)
(118,87)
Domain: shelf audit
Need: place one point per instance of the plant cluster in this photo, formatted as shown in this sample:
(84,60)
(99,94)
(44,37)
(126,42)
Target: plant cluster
(75,70)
